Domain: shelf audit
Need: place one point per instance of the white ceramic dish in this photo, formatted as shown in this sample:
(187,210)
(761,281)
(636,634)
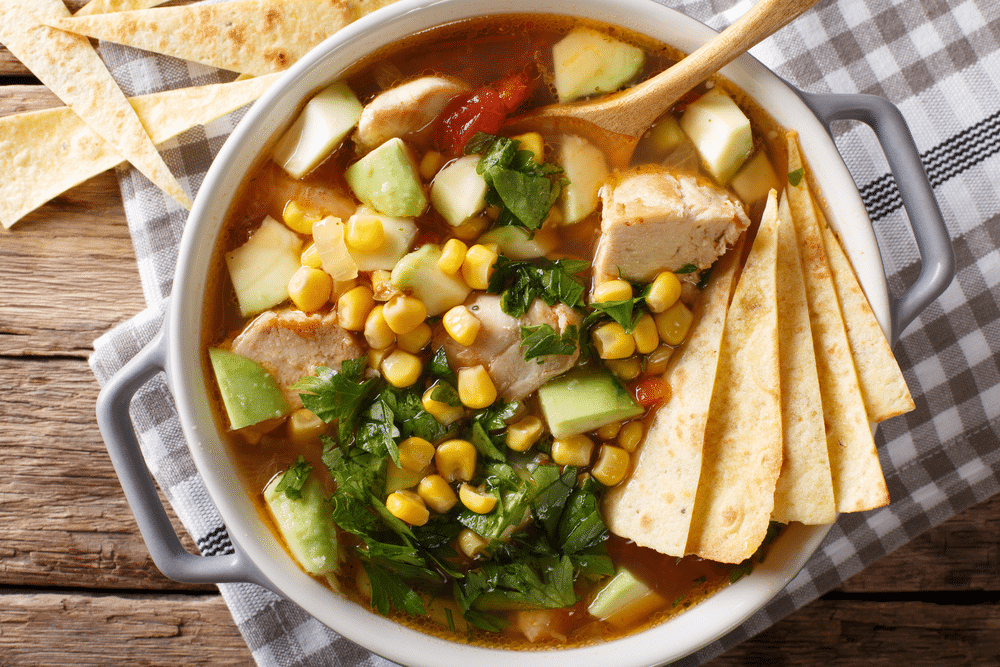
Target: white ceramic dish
(259,557)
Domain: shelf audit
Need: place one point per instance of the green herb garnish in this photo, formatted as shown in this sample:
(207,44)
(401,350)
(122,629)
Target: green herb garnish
(795,177)
(520,282)
(294,479)
(542,340)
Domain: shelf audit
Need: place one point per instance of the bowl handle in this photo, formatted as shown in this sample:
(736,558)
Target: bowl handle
(937,257)
(158,533)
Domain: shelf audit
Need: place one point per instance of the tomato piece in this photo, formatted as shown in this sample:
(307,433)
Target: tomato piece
(650,390)
(482,110)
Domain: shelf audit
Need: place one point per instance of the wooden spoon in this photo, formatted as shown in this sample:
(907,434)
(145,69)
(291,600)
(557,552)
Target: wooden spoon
(615,122)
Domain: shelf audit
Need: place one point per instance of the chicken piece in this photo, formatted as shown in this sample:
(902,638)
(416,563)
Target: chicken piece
(290,344)
(498,345)
(654,220)
(405,109)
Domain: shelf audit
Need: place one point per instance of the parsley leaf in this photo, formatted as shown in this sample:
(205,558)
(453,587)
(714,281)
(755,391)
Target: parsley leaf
(687,268)
(338,395)
(294,478)
(795,177)
(520,282)
(390,591)
(542,340)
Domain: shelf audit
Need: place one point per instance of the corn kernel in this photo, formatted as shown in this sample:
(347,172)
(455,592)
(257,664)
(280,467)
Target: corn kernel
(611,290)
(310,257)
(612,341)
(353,308)
(310,289)
(378,335)
(471,228)
(304,427)
(612,465)
(478,266)
(461,325)
(375,357)
(415,340)
(441,411)
(554,218)
(656,361)
(401,369)
(609,431)
(430,164)
(471,543)
(299,218)
(476,500)
(664,292)
(452,256)
(647,338)
(532,141)
(574,450)
(342,287)
(382,286)
(456,460)
(625,369)
(404,313)
(365,233)
(475,387)
(437,493)
(408,507)
(630,436)
(415,453)
(673,323)
(523,434)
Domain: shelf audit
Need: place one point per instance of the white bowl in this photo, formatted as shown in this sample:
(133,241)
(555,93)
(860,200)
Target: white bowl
(190,383)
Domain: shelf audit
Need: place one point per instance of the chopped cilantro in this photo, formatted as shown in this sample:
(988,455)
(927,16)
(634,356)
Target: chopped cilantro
(746,567)
(542,340)
(520,282)
(295,477)
(338,395)
(795,177)
(687,268)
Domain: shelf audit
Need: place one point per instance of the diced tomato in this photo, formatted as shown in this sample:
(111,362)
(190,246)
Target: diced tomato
(482,110)
(650,390)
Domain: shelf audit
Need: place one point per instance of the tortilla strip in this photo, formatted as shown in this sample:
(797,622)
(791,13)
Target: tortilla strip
(108,6)
(50,151)
(654,505)
(742,455)
(804,491)
(71,69)
(883,386)
(247,36)
(858,483)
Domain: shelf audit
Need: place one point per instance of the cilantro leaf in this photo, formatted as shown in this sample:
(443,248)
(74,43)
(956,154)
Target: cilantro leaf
(388,591)
(542,340)
(294,478)
(520,282)
(338,395)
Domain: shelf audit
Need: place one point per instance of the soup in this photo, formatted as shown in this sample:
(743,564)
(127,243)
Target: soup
(438,342)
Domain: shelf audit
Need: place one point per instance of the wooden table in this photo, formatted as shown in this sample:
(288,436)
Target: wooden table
(77,586)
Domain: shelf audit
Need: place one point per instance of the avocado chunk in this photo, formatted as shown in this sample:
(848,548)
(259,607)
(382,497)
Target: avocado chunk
(518,242)
(318,131)
(623,594)
(587,62)
(306,525)
(755,179)
(261,268)
(720,132)
(419,271)
(459,191)
(387,180)
(249,392)
(585,399)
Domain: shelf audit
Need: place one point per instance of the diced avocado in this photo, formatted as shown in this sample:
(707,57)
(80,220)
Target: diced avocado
(585,167)
(720,132)
(306,525)
(399,236)
(587,62)
(585,399)
(261,268)
(459,191)
(387,180)
(624,593)
(518,242)
(755,179)
(419,271)
(319,130)
(666,135)
(250,394)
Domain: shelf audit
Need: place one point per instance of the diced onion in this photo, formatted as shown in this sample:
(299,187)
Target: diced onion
(328,235)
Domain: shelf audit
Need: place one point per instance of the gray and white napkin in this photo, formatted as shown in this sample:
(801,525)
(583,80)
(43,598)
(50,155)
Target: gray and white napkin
(939,62)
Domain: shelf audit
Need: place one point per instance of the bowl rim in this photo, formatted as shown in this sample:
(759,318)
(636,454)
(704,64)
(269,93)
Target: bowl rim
(187,372)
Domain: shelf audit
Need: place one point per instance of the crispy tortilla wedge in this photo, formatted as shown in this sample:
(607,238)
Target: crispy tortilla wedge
(883,386)
(108,6)
(50,151)
(654,506)
(247,36)
(858,482)
(742,454)
(804,491)
(71,69)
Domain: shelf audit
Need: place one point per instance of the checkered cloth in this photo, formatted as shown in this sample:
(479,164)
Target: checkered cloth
(937,60)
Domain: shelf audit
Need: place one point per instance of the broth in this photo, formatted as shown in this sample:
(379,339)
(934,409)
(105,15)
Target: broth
(479,53)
